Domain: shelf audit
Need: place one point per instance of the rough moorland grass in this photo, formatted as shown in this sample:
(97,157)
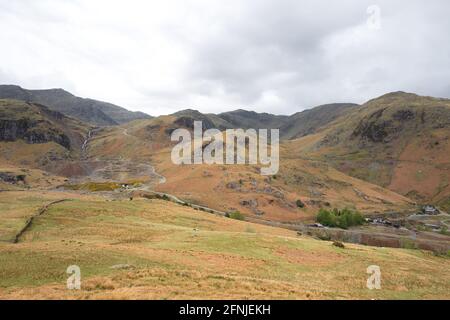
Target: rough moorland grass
(15,212)
(94,186)
(180,253)
(445,204)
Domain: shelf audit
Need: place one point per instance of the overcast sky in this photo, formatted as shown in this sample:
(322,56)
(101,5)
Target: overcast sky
(275,56)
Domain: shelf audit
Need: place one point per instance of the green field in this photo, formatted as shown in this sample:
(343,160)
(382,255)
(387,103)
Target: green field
(175,252)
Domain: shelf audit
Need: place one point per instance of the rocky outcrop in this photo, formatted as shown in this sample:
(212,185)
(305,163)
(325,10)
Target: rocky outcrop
(234,186)
(252,204)
(29,131)
(12,178)
(11,130)
(33,137)
(375,132)
(403,115)
(379,127)
(188,122)
(374,128)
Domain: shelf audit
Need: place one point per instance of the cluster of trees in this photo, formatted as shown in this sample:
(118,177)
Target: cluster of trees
(340,218)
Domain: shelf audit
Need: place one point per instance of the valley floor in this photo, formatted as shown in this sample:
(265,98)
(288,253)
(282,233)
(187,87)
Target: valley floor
(154,249)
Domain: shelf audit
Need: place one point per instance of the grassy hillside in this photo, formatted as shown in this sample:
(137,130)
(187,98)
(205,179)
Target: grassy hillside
(241,187)
(399,141)
(16,178)
(128,152)
(159,250)
(312,120)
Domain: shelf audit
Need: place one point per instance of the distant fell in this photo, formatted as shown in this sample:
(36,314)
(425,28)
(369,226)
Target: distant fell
(88,110)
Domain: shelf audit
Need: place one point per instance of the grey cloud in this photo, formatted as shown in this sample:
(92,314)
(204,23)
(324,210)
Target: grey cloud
(269,55)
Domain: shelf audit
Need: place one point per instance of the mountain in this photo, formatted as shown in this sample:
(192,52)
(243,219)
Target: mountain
(35,124)
(310,121)
(234,119)
(238,187)
(291,127)
(91,111)
(33,136)
(187,117)
(250,119)
(105,114)
(138,222)
(400,141)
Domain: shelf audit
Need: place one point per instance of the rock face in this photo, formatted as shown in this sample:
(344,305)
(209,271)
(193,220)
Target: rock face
(12,130)
(11,178)
(375,128)
(374,132)
(36,124)
(381,127)
(33,137)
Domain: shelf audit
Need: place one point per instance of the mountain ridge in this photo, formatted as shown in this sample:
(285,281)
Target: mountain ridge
(294,126)
(88,110)
(399,140)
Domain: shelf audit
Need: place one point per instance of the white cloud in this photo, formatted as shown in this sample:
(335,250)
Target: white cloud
(277,56)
